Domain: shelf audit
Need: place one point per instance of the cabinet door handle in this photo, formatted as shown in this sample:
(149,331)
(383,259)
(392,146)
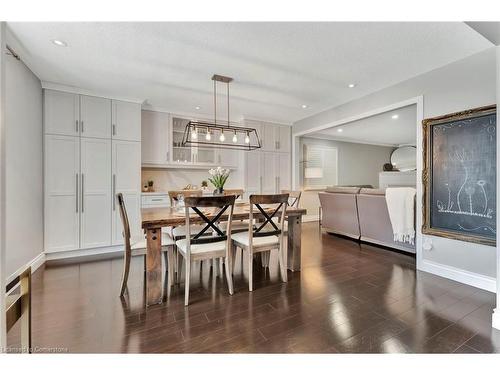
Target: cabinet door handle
(114,129)
(76,126)
(76,200)
(168,158)
(114,192)
(279,145)
(157,200)
(81,126)
(83,187)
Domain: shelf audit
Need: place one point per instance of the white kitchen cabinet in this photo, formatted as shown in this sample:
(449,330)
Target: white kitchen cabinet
(95,117)
(275,137)
(155,137)
(153,200)
(126,121)
(62,198)
(84,166)
(283,135)
(253,178)
(269,172)
(126,179)
(284,172)
(268,139)
(95,192)
(61,113)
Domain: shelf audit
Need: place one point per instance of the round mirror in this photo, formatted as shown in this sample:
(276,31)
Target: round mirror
(404,158)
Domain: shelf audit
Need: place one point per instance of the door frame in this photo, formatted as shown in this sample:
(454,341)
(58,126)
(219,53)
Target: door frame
(419,102)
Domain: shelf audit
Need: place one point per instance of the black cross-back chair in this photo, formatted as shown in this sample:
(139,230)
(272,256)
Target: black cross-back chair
(265,235)
(200,246)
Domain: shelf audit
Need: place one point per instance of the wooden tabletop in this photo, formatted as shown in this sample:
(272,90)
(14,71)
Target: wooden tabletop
(168,216)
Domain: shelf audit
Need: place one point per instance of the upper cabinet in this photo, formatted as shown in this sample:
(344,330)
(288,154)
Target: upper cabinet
(126,121)
(95,117)
(61,113)
(274,137)
(284,138)
(155,137)
(91,116)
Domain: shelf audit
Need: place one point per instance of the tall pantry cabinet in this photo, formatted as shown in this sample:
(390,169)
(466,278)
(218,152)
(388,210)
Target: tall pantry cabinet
(268,170)
(92,151)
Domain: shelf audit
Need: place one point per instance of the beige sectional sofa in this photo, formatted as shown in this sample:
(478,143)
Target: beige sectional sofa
(359,213)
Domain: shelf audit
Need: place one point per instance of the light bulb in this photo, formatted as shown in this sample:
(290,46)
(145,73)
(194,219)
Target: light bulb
(235,138)
(208,136)
(222,138)
(247,139)
(194,135)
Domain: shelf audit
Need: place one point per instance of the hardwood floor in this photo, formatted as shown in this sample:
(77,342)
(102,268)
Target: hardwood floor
(349,298)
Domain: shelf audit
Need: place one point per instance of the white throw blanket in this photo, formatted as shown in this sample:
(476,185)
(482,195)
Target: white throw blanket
(400,203)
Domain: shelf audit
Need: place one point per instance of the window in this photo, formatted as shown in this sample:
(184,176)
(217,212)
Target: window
(320,166)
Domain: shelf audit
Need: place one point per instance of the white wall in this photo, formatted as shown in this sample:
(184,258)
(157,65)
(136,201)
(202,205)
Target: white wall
(464,84)
(358,164)
(3,275)
(24,168)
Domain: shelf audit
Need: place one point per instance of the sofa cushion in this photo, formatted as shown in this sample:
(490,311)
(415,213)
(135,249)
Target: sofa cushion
(342,190)
(372,191)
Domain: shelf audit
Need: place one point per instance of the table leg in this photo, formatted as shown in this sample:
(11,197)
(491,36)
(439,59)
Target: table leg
(294,242)
(153,267)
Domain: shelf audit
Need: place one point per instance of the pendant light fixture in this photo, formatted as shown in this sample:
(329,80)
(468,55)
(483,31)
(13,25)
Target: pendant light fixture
(219,135)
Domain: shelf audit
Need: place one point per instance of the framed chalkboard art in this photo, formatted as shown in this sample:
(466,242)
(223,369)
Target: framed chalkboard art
(459,176)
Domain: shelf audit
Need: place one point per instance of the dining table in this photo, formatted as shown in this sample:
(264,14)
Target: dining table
(154,219)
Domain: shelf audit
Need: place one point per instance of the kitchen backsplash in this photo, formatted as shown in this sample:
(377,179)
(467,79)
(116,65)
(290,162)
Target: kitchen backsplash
(176,179)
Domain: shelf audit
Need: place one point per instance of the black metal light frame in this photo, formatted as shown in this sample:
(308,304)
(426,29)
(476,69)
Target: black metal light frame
(214,127)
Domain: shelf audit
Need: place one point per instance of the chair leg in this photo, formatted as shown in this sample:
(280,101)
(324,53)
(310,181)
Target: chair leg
(186,282)
(170,266)
(221,267)
(233,261)
(126,270)
(213,264)
(179,260)
(250,270)
(229,275)
(281,260)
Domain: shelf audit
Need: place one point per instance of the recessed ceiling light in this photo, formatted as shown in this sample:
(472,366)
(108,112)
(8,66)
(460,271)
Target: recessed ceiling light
(351,85)
(304,106)
(197,107)
(340,130)
(395,117)
(59,43)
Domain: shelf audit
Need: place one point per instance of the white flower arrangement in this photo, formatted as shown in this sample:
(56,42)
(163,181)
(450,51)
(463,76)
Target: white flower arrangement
(219,177)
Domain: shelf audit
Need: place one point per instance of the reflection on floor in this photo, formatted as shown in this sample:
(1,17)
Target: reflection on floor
(348,298)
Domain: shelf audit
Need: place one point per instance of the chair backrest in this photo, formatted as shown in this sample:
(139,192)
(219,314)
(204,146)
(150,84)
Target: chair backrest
(173,194)
(124,219)
(236,192)
(268,227)
(218,206)
(293,197)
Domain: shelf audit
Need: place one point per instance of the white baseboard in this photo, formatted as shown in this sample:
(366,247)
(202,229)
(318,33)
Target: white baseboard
(83,252)
(34,263)
(462,276)
(495,321)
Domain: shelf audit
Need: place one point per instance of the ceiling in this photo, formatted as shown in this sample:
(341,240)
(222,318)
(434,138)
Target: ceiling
(381,129)
(277,66)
